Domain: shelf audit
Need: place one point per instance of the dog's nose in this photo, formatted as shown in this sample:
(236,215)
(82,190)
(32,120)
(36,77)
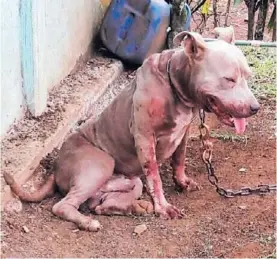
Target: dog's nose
(254,108)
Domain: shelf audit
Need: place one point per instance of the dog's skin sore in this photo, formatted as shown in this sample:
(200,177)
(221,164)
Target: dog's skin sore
(146,124)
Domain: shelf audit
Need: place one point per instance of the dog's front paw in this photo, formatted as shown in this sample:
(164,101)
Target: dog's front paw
(168,212)
(186,183)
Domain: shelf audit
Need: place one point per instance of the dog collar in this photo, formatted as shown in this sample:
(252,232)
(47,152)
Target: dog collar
(176,93)
(168,72)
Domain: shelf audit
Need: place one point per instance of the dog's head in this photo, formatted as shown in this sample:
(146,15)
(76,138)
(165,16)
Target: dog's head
(219,73)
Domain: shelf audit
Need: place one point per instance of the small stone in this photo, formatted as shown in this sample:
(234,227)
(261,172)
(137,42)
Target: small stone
(6,162)
(139,229)
(25,229)
(14,206)
(75,230)
(242,207)
(163,227)
(243,170)
(10,223)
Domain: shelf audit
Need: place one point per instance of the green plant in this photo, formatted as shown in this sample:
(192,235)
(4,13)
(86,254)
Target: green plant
(263,64)
(226,136)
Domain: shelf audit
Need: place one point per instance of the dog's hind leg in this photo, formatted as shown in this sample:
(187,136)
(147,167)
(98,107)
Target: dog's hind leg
(94,169)
(119,196)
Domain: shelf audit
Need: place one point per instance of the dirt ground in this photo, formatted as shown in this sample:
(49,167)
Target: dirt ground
(242,227)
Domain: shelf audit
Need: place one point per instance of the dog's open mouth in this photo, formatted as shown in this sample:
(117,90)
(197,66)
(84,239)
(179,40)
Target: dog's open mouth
(226,118)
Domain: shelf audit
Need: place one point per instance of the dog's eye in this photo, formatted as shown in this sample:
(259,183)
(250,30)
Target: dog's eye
(229,79)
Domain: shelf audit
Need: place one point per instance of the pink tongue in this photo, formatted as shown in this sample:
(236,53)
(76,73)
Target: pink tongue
(240,125)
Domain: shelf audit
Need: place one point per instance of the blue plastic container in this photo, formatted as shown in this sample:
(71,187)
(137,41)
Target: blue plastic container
(135,29)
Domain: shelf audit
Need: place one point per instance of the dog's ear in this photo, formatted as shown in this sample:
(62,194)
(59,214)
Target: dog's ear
(227,34)
(193,43)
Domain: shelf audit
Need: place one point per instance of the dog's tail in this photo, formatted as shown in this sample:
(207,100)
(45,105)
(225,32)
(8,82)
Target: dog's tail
(47,190)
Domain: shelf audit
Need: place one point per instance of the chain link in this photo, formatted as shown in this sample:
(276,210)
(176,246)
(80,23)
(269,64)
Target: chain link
(207,146)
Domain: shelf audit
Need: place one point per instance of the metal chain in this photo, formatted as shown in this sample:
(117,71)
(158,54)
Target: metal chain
(207,158)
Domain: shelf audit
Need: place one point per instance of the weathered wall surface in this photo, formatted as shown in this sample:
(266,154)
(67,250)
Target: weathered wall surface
(11,80)
(62,35)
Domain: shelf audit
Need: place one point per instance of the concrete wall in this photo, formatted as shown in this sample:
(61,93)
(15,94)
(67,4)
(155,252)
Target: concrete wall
(41,44)
(62,35)
(11,80)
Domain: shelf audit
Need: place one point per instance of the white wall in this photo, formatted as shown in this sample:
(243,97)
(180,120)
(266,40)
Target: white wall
(11,81)
(62,32)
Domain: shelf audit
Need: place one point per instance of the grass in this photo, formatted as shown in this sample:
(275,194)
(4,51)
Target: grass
(267,240)
(227,136)
(273,255)
(262,61)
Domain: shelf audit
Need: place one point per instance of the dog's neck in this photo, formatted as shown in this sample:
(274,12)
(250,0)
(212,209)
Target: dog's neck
(178,95)
(179,77)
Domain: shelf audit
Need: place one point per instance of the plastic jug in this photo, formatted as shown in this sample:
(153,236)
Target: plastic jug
(134,29)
